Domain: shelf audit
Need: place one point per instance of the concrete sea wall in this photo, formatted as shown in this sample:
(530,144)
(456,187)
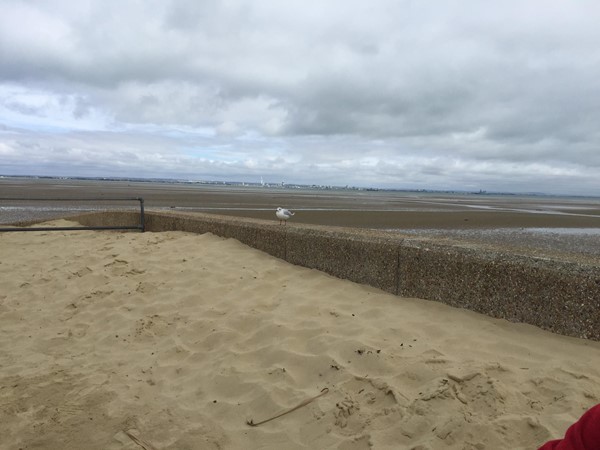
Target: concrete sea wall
(559,296)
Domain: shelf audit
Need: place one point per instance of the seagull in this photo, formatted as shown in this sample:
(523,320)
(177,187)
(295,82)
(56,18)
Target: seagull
(283,214)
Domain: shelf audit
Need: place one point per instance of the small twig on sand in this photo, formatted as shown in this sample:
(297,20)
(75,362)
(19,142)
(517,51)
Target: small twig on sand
(145,445)
(287,411)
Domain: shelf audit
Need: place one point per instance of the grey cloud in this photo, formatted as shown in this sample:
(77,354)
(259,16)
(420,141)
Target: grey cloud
(420,94)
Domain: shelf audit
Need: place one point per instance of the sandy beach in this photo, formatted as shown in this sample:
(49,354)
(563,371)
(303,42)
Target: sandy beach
(176,340)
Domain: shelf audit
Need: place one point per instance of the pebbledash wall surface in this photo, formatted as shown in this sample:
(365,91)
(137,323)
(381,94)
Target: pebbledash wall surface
(562,297)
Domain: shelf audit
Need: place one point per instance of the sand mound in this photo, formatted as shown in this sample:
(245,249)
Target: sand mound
(178,339)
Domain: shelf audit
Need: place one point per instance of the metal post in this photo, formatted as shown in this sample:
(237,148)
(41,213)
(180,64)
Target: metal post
(142,219)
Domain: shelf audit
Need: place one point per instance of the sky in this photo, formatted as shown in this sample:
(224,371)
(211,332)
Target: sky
(443,95)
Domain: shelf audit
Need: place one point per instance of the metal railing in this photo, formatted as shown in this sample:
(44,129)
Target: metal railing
(141,226)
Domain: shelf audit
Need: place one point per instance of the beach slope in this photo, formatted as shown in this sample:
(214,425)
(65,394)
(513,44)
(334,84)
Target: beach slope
(173,340)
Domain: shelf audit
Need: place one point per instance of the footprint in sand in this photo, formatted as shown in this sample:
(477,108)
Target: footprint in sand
(78,330)
(367,402)
(480,393)
(146,287)
(344,410)
(151,326)
(80,273)
(120,267)
(117,267)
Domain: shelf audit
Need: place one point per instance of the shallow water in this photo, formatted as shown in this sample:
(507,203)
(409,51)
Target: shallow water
(564,231)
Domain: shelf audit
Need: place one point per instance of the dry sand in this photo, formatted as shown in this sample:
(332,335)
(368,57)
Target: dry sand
(179,339)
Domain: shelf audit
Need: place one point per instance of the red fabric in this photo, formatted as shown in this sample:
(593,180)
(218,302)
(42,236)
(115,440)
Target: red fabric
(582,435)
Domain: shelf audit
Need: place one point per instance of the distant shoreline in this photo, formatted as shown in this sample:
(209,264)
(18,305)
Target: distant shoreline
(294,186)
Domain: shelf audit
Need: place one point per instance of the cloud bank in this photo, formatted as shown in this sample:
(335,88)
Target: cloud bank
(460,95)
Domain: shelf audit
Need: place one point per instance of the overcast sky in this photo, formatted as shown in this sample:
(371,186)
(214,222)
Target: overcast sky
(465,94)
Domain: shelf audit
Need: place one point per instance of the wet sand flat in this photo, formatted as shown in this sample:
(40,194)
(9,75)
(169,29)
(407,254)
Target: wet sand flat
(363,209)
(522,224)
